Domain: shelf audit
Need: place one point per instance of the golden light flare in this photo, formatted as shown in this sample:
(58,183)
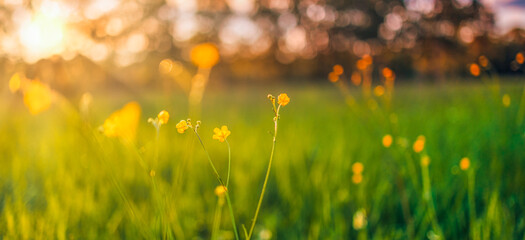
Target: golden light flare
(205,55)
(520,58)
(474,69)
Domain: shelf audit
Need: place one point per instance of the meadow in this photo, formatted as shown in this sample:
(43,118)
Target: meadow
(61,178)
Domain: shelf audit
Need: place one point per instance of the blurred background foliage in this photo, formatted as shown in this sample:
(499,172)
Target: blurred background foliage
(81,42)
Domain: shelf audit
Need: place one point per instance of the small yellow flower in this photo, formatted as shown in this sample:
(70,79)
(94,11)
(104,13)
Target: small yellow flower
(419,144)
(37,97)
(182,126)
(15,82)
(357,178)
(506,100)
(357,168)
(283,99)
(359,219)
(464,164)
(163,117)
(379,91)
(123,122)
(220,190)
(425,161)
(221,134)
(387,140)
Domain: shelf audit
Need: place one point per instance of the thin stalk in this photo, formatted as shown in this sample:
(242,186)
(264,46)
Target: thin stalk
(217,218)
(427,195)
(472,204)
(267,173)
(229,164)
(220,182)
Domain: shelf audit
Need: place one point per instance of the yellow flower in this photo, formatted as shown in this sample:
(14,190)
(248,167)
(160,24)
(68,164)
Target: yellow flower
(357,168)
(220,190)
(221,134)
(182,126)
(123,122)
(506,100)
(15,82)
(204,55)
(283,99)
(379,91)
(464,164)
(387,140)
(359,220)
(425,161)
(37,97)
(419,144)
(357,178)
(163,117)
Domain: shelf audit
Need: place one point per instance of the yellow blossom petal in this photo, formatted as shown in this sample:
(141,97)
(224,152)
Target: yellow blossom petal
(163,117)
(181,126)
(123,122)
(283,99)
(37,97)
(221,134)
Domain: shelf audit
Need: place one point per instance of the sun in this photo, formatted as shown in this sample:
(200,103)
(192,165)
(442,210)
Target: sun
(42,36)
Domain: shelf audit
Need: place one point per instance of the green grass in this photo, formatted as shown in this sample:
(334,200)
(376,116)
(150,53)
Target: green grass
(60,178)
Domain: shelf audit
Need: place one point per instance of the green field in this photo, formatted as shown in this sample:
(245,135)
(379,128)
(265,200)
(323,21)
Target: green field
(60,178)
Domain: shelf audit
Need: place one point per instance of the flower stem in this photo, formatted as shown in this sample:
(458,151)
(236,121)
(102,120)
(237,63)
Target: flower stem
(267,174)
(222,184)
(229,163)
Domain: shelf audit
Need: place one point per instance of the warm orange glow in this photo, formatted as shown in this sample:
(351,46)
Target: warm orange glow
(205,55)
(419,144)
(338,69)
(356,78)
(357,168)
(379,91)
(483,61)
(333,77)
(474,70)
(464,164)
(387,140)
(361,64)
(520,58)
(387,73)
